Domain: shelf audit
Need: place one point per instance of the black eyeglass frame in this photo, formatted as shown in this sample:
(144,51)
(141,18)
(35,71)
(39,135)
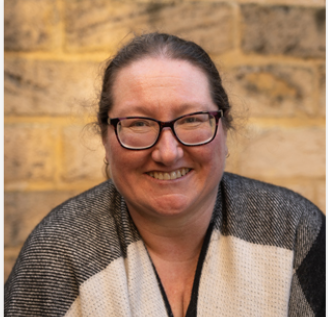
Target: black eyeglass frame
(168,124)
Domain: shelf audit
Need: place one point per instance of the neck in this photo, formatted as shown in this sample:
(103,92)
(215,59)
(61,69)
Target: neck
(173,239)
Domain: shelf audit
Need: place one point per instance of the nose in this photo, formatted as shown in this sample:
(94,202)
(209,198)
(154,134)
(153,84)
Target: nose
(167,150)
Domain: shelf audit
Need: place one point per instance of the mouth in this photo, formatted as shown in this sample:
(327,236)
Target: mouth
(171,175)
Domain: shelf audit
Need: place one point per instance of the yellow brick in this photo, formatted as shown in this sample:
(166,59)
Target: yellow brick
(322,90)
(321,195)
(83,154)
(31,25)
(283,152)
(29,152)
(104,25)
(23,211)
(36,87)
(273,90)
(309,3)
(297,31)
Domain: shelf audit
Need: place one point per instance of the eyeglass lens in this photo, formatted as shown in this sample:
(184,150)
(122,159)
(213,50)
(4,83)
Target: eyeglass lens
(139,133)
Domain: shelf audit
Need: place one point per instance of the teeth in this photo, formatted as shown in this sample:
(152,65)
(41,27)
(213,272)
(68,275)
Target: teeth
(167,176)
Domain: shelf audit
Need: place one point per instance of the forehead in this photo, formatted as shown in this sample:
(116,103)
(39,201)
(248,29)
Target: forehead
(160,64)
(153,82)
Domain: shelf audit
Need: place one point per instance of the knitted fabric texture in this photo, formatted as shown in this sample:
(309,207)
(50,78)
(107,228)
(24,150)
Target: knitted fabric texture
(265,256)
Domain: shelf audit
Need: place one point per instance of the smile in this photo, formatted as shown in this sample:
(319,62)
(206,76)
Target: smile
(172,175)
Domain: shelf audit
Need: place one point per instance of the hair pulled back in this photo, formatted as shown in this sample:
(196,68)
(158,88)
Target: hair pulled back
(168,46)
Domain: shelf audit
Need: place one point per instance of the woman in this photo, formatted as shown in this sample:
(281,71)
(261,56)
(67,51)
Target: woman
(171,234)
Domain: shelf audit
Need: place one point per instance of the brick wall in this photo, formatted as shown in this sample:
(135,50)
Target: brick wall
(271,55)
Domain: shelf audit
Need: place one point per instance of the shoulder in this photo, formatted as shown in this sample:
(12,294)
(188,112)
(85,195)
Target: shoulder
(93,217)
(80,237)
(241,189)
(248,186)
(75,241)
(267,214)
(278,218)
(96,200)
(79,214)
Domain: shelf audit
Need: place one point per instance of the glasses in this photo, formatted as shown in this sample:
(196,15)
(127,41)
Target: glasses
(141,133)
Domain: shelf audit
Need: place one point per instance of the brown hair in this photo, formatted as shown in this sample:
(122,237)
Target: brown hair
(169,46)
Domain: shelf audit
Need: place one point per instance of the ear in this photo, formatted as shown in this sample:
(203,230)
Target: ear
(106,161)
(104,140)
(227,152)
(106,168)
(106,147)
(224,135)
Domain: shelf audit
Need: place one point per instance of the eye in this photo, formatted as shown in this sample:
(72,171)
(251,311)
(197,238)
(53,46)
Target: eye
(192,120)
(138,125)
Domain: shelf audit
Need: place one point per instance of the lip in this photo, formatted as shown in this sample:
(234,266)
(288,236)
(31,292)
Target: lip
(171,175)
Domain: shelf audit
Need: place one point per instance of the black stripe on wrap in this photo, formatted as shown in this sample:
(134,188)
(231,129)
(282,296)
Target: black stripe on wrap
(312,272)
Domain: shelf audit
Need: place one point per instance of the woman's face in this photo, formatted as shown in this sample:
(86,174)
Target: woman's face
(164,89)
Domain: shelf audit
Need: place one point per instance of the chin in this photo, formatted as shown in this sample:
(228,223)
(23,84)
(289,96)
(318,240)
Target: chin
(171,205)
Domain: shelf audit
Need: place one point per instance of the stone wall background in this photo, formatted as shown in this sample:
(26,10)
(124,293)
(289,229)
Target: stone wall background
(271,55)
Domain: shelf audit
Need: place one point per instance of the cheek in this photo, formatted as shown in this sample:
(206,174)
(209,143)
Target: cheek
(123,163)
(214,151)
(107,142)
(116,159)
(214,156)
(112,149)
(221,142)
(119,168)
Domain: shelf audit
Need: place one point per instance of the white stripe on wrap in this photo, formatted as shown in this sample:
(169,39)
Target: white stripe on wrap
(145,295)
(126,288)
(104,294)
(244,279)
